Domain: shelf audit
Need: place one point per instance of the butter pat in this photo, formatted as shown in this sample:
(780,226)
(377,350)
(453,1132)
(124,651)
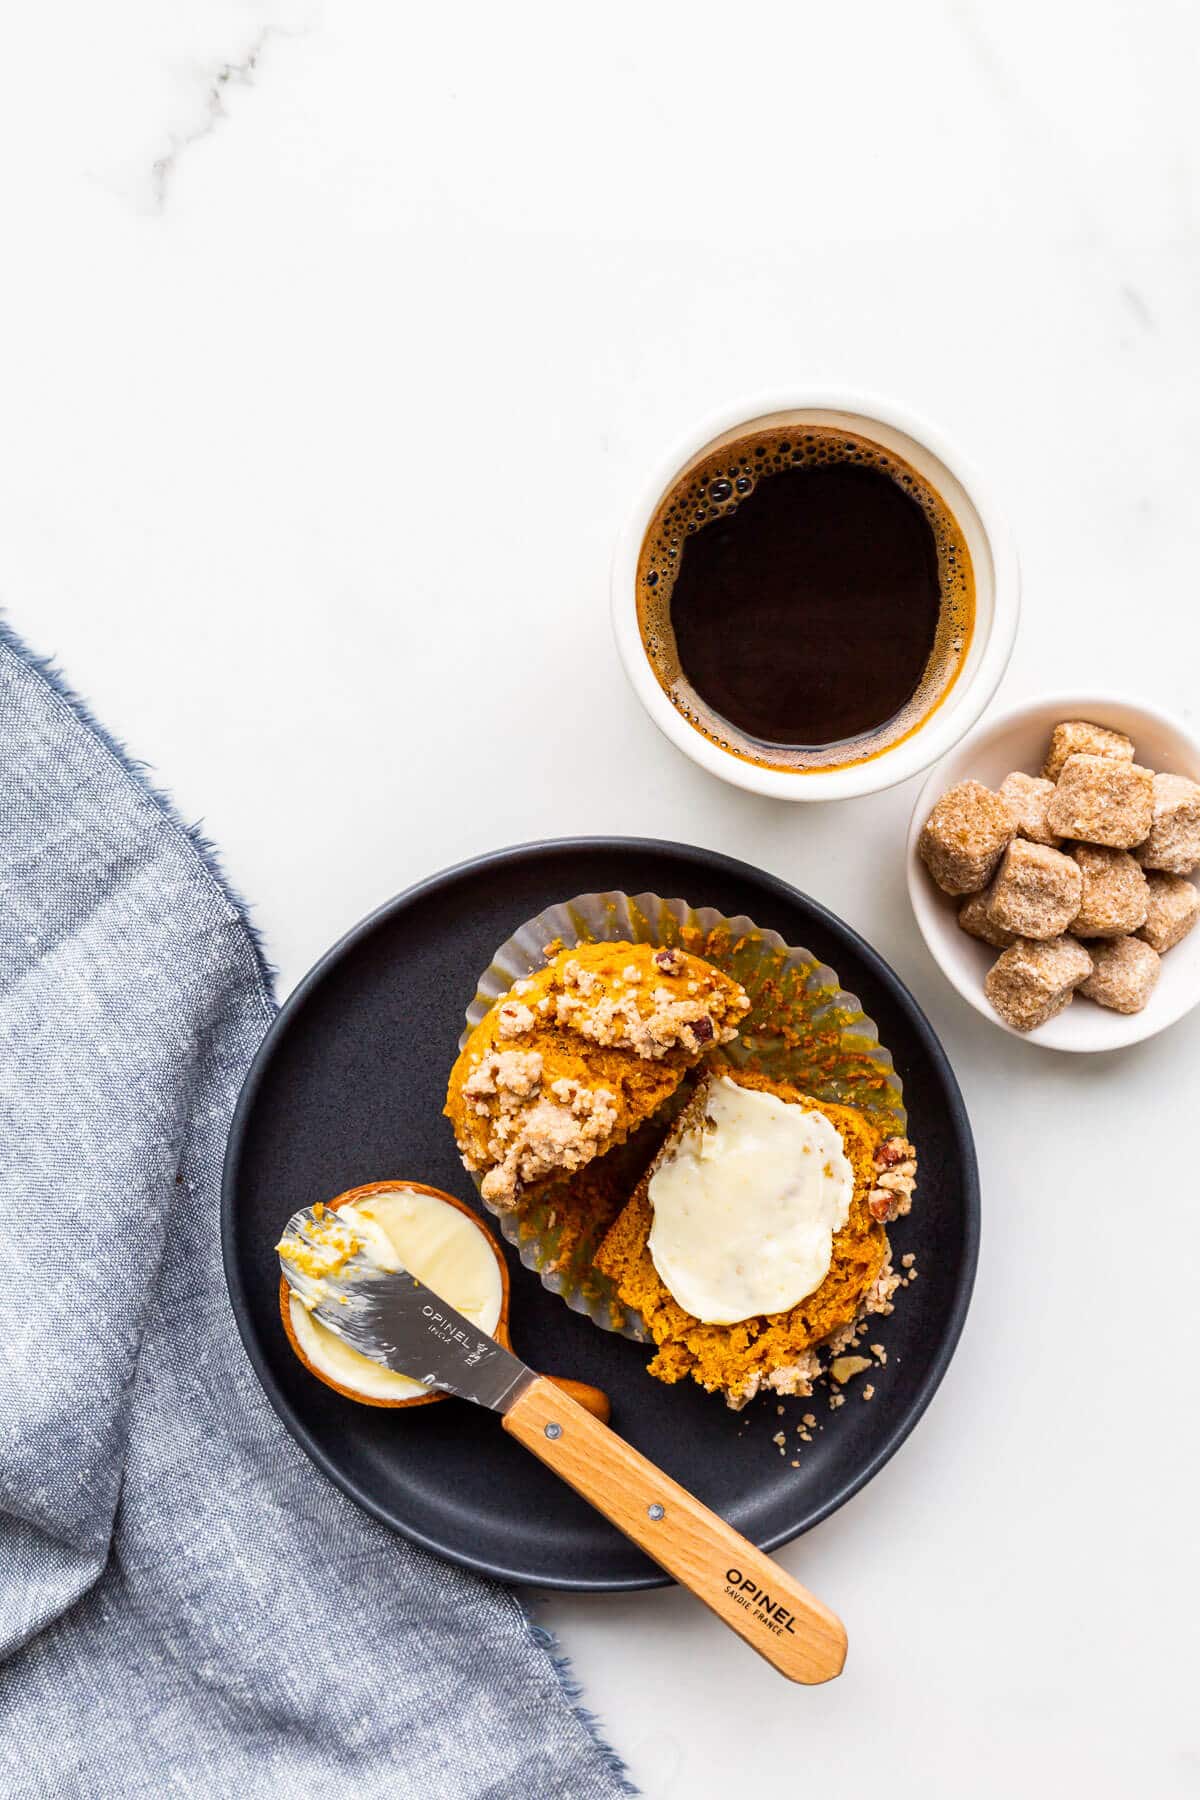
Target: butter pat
(441,1246)
(746,1206)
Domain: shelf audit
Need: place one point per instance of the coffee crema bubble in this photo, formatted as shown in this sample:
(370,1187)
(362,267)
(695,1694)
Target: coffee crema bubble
(805,597)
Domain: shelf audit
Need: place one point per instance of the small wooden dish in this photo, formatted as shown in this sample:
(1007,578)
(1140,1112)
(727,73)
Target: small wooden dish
(592,1399)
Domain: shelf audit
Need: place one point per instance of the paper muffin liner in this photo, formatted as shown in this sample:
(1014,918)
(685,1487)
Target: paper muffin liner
(802,1027)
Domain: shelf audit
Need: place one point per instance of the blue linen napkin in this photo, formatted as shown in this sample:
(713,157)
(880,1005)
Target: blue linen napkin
(186,1605)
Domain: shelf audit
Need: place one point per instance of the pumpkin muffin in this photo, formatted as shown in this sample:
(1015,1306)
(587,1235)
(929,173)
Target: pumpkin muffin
(575,1057)
(777,1351)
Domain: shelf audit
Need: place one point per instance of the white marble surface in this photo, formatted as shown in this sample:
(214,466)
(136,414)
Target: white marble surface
(337,341)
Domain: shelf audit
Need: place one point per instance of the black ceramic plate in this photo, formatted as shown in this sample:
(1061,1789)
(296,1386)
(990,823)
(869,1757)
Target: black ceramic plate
(348,1087)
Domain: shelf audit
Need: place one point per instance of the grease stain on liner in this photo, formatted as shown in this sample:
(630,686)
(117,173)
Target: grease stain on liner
(802,1027)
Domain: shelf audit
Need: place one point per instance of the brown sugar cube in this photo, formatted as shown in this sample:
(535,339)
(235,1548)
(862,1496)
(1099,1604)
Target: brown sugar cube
(1115,893)
(1102,800)
(1075,737)
(1034,980)
(965,836)
(1028,796)
(1036,892)
(1174,841)
(1124,971)
(1173,909)
(973,917)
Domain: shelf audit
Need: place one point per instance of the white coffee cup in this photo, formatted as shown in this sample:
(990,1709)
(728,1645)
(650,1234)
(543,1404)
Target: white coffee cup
(997,592)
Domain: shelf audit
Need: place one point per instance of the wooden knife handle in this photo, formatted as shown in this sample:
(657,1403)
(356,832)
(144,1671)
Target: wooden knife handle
(592,1399)
(752,1595)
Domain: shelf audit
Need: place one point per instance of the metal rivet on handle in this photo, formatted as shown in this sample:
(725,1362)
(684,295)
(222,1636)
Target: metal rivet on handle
(553,1431)
(656,1511)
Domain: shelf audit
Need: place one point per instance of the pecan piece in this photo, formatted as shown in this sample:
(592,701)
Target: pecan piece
(880,1204)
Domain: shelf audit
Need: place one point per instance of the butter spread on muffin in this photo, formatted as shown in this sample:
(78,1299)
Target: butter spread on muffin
(577,1055)
(746,1203)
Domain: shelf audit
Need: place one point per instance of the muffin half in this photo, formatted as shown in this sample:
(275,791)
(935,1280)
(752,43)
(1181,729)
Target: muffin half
(575,1057)
(801,1221)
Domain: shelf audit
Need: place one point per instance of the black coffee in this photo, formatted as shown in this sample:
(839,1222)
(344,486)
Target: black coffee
(806,599)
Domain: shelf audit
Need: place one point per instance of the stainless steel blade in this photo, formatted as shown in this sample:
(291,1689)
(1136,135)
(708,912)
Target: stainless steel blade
(392,1318)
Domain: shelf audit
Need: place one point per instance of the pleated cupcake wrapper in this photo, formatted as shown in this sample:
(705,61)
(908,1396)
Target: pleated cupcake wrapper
(802,1027)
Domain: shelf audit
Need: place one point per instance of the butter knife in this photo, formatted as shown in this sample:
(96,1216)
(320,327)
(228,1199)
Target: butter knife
(394,1319)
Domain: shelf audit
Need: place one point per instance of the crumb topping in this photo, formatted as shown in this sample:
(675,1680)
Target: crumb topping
(877,1300)
(797,1378)
(559,1130)
(620,1019)
(510,1073)
(514,1020)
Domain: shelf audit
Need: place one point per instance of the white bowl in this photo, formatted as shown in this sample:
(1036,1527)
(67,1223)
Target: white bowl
(997,592)
(1018,740)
